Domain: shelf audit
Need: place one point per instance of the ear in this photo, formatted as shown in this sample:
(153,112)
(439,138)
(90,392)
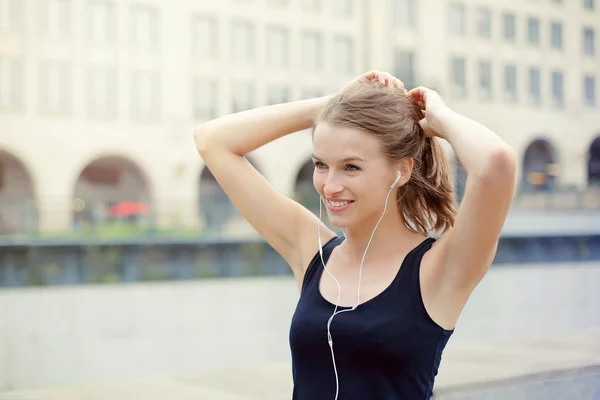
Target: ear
(405,167)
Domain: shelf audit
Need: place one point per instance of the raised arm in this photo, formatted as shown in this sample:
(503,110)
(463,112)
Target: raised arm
(467,250)
(222,143)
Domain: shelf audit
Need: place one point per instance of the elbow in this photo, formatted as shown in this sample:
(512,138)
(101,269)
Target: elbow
(501,166)
(202,140)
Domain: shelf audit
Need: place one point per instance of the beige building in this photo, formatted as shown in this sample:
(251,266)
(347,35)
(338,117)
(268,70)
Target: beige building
(99,98)
(527,69)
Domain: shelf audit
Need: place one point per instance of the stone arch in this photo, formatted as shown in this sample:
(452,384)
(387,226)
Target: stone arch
(460,180)
(18,205)
(593,164)
(304,189)
(540,167)
(215,207)
(112,192)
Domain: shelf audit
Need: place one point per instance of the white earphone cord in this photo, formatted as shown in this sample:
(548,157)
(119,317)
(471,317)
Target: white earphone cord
(335,312)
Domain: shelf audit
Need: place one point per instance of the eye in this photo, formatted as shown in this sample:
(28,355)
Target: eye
(319,164)
(352,168)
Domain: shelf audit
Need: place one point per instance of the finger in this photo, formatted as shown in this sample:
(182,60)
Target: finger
(371,75)
(418,92)
(426,129)
(392,82)
(389,79)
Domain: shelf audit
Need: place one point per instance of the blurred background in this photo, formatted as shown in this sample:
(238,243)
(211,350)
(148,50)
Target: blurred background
(122,259)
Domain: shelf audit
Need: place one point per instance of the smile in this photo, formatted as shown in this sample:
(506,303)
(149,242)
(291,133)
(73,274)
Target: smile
(338,205)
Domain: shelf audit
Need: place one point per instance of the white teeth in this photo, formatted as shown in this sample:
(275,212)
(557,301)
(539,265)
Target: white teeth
(338,203)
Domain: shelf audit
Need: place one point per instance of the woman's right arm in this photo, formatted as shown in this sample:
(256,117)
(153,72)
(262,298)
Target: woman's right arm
(222,143)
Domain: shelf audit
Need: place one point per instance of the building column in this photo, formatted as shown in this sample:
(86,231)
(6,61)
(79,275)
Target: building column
(175,200)
(54,205)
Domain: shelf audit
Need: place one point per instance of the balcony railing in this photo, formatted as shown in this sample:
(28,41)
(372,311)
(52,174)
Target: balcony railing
(216,216)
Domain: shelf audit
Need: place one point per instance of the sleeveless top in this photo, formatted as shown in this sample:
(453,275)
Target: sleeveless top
(388,348)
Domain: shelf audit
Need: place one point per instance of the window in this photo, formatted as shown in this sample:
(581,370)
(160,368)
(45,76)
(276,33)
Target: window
(243,96)
(278,95)
(556,33)
(11,82)
(204,37)
(535,96)
(56,18)
(343,53)
(145,95)
(485,80)
(55,87)
(9,13)
(484,22)
(144,26)
(101,17)
(533,31)
(311,5)
(510,33)
(278,45)
(457,19)
(278,3)
(404,67)
(342,8)
(205,98)
(404,13)
(242,37)
(557,88)
(510,83)
(102,91)
(312,50)
(589,45)
(459,76)
(589,4)
(589,88)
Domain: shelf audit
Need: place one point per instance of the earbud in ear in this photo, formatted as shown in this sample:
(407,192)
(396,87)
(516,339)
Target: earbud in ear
(398,176)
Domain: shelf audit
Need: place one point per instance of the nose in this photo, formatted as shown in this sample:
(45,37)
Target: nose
(332,186)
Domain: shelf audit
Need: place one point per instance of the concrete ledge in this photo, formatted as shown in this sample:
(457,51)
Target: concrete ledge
(565,367)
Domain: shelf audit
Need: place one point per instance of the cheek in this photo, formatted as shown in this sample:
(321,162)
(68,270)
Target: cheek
(318,181)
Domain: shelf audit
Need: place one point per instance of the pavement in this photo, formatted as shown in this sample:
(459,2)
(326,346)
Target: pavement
(554,367)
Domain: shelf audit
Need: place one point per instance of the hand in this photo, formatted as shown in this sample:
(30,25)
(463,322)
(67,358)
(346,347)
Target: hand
(384,78)
(433,108)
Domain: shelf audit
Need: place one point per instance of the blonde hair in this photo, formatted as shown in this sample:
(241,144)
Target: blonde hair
(426,202)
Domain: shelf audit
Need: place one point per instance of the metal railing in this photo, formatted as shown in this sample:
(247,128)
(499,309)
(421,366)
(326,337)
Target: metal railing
(217,217)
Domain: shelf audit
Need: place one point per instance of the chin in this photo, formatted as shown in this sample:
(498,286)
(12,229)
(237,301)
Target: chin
(339,221)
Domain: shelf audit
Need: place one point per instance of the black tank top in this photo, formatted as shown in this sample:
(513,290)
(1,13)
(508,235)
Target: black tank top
(388,348)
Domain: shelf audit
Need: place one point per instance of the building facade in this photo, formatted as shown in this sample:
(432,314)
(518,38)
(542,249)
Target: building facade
(99,98)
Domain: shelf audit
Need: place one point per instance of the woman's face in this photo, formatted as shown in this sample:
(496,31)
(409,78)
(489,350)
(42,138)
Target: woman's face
(351,174)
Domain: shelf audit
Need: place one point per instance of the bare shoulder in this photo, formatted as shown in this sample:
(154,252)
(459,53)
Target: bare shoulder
(308,245)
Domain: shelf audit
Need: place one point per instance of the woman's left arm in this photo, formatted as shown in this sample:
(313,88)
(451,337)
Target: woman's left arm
(468,248)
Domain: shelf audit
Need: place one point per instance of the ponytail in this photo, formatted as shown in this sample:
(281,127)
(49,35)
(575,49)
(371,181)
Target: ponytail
(426,201)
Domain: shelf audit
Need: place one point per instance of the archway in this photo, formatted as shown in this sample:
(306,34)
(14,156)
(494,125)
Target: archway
(540,167)
(460,180)
(306,194)
(18,211)
(111,196)
(214,206)
(304,190)
(593,174)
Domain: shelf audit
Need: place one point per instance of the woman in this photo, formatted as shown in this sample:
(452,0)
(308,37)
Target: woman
(374,326)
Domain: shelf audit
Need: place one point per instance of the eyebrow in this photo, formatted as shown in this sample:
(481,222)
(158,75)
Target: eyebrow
(347,159)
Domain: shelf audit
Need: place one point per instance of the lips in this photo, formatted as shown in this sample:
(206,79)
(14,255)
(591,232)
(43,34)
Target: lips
(337,205)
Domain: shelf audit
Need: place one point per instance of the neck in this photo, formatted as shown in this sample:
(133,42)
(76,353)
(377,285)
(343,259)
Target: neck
(390,236)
